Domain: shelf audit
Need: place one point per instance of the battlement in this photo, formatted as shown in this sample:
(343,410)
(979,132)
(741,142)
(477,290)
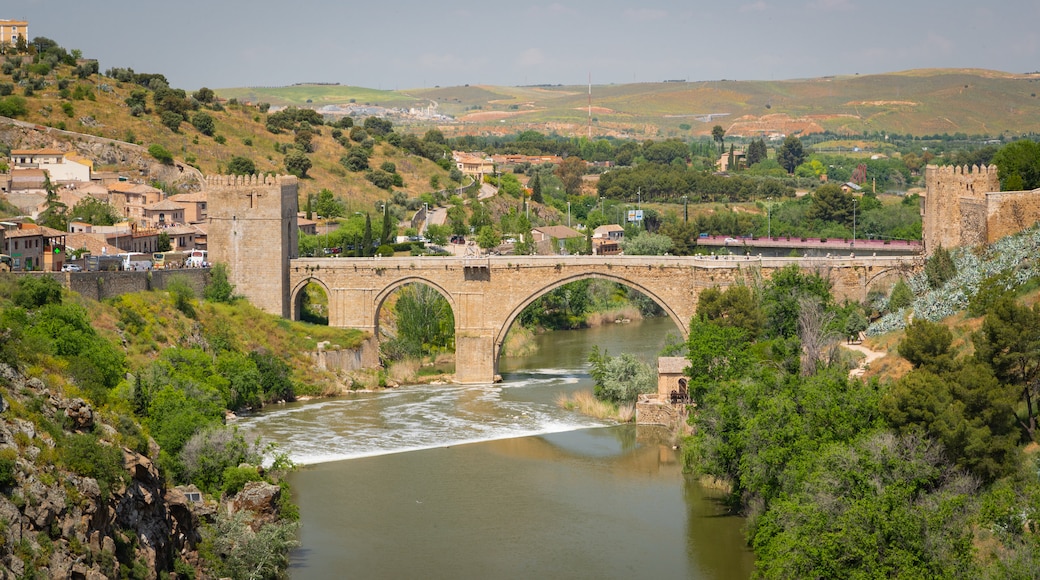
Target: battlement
(248,181)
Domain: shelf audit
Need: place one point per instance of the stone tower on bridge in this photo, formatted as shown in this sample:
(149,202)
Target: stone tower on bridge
(253,230)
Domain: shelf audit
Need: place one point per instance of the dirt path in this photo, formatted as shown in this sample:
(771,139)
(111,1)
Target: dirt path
(871,356)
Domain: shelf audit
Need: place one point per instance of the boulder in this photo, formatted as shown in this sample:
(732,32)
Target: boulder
(80,413)
(260,499)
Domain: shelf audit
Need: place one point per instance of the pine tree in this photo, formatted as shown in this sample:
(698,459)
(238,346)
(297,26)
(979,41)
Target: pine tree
(536,189)
(366,240)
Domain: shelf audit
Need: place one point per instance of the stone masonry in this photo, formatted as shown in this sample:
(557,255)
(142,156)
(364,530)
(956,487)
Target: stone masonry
(965,207)
(253,231)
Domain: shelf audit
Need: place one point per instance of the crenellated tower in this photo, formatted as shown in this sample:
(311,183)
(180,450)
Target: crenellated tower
(252,229)
(955,208)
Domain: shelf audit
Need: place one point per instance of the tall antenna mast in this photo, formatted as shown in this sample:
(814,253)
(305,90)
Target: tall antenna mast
(590,105)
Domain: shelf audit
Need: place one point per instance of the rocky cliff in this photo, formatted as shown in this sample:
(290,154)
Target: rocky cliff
(62,511)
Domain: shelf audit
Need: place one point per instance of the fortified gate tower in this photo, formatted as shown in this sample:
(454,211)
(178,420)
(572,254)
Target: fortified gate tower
(253,230)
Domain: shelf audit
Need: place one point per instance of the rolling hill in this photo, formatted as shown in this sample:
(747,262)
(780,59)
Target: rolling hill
(918,102)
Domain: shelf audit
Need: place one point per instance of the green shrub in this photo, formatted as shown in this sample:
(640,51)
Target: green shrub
(84,454)
(236,478)
(8,469)
(160,154)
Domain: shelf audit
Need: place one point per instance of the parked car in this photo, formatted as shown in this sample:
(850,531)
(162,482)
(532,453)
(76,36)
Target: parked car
(71,268)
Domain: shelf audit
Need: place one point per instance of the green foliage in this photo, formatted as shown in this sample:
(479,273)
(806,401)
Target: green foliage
(991,291)
(36,291)
(235,478)
(718,352)
(647,244)
(171,120)
(204,123)
(241,166)
(183,295)
(902,296)
(927,345)
(620,379)
(84,454)
(8,469)
(830,203)
(160,154)
(274,376)
(208,455)
(781,296)
(939,268)
(95,212)
(231,549)
(888,507)
(1009,342)
(328,206)
(966,409)
(1019,165)
(297,163)
(791,153)
(219,289)
(425,323)
(488,237)
(13,107)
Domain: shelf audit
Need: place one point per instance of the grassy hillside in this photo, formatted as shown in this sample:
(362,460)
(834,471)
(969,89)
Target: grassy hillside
(919,102)
(240,131)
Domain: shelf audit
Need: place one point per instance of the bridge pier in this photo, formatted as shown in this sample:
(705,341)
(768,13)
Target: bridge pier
(474,358)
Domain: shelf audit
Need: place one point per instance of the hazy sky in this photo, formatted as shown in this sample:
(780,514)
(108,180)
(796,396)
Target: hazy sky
(400,44)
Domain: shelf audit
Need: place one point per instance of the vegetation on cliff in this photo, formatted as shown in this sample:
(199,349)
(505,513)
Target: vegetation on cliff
(931,473)
(106,404)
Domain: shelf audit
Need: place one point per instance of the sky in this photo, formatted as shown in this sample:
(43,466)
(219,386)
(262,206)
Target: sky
(408,44)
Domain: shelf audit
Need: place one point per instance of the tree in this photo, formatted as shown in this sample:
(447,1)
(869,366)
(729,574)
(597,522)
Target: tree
(830,203)
(95,212)
(479,216)
(620,379)
(241,166)
(219,289)
(902,296)
(927,345)
(488,237)
(172,120)
(366,238)
(737,306)
(718,134)
(570,172)
(1009,342)
(204,95)
(791,153)
(647,244)
(163,243)
(204,123)
(328,206)
(756,151)
(424,321)
(1019,165)
(297,163)
(536,189)
(386,235)
(939,268)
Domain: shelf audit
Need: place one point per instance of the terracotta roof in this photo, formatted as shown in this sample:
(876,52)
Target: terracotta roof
(127,187)
(181,230)
(608,228)
(32,231)
(198,196)
(28,173)
(37,152)
(671,365)
(94,243)
(164,205)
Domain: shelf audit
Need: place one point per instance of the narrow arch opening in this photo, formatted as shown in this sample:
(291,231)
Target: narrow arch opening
(312,304)
(416,330)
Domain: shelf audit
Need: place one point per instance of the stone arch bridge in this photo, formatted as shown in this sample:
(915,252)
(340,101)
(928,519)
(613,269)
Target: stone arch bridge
(487,294)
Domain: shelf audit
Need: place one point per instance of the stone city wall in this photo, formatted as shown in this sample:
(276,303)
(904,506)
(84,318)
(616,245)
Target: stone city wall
(104,285)
(1011,212)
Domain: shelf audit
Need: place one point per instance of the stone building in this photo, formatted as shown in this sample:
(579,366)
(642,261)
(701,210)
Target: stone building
(252,224)
(964,207)
(11,30)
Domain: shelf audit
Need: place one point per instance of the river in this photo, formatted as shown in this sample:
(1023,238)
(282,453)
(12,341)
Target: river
(497,481)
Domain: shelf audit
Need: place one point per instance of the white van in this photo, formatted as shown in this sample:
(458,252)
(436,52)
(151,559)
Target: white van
(197,259)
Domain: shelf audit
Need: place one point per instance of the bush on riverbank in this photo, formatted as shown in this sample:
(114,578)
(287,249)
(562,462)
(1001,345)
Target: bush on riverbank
(586,403)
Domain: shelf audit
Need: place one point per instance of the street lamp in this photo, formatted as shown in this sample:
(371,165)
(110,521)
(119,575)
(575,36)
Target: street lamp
(568,214)
(854,202)
(769,220)
(686,209)
(426,218)
(639,197)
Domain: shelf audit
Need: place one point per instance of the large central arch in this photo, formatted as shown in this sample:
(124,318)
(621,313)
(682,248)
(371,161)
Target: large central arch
(500,337)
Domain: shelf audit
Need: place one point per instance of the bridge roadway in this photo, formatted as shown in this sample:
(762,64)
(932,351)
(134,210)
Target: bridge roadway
(486,294)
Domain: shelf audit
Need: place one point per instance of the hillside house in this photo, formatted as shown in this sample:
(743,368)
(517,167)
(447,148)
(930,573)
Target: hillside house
(194,205)
(35,248)
(606,240)
(130,199)
(549,239)
(473,164)
(60,166)
(12,30)
(162,214)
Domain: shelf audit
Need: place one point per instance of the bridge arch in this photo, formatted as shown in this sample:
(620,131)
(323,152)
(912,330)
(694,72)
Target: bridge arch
(382,295)
(668,309)
(296,296)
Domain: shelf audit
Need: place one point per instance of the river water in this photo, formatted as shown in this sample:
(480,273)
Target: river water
(497,481)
